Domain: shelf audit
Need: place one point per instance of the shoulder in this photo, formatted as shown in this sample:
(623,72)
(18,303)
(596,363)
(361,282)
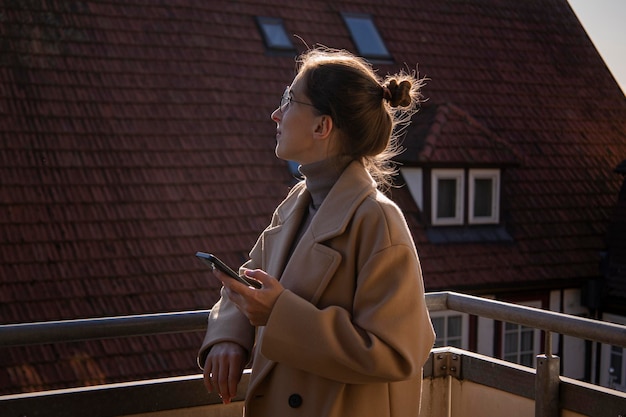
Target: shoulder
(379,215)
(291,200)
(294,193)
(378,204)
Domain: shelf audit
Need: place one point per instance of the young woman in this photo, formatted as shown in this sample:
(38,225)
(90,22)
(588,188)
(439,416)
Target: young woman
(340,327)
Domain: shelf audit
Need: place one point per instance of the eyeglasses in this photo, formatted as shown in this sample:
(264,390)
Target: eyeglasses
(286,99)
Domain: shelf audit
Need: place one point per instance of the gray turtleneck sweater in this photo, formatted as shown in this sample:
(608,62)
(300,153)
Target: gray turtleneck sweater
(319,177)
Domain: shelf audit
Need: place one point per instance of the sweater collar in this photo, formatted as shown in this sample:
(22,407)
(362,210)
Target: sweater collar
(321,176)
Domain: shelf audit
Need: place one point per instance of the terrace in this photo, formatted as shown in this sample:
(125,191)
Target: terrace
(456,382)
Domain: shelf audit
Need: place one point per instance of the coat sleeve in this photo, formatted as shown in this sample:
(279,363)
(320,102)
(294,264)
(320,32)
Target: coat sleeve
(227,324)
(386,337)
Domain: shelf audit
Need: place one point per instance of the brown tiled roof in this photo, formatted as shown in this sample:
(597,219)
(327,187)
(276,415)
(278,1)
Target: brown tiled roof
(446,135)
(134,134)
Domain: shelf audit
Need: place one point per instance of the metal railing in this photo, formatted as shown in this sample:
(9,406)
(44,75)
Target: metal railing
(189,321)
(23,334)
(546,380)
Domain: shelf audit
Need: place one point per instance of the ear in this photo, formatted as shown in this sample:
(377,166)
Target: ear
(324,127)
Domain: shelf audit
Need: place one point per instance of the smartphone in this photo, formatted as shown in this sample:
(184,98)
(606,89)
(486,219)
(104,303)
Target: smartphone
(215,263)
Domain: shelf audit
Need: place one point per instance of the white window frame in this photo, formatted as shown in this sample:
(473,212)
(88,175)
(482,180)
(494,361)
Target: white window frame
(447,174)
(446,314)
(536,334)
(494,176)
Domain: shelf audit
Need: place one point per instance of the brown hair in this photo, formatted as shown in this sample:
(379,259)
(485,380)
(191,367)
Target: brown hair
(368,111)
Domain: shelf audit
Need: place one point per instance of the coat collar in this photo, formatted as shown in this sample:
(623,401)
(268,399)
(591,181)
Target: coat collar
(333,216)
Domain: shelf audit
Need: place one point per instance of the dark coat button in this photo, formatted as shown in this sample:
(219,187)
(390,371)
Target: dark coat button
(295,400)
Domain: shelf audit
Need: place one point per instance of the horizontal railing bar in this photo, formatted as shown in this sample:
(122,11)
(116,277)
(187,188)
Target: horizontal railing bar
(584,328)
(437,301)
(189,321)
(101,328)
(120,399)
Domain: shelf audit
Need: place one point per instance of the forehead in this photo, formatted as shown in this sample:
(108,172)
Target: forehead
(297,85)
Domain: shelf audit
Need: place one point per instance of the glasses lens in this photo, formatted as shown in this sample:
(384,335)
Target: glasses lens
(284,100)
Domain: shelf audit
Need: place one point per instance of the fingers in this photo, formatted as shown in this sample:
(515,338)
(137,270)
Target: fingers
(234,376)
(223,368)
(207,375)
(259,275)
(220,380)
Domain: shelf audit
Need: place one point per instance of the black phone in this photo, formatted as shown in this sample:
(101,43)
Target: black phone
(215,263)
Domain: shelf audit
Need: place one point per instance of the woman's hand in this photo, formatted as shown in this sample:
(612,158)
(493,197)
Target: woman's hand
(255,304)
(223,368)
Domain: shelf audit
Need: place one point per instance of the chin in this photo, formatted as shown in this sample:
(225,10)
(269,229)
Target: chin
(280,153)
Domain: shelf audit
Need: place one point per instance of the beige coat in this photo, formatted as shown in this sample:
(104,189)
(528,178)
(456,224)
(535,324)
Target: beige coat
(350,334)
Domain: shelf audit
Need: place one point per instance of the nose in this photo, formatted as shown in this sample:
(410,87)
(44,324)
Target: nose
(275,115)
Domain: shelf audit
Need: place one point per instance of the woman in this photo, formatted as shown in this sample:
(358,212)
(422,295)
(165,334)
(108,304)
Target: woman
(340,327)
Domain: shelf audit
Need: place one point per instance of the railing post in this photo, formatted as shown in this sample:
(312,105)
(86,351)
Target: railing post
(547,382)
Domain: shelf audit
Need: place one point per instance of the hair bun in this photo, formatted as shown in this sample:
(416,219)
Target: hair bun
(398,95)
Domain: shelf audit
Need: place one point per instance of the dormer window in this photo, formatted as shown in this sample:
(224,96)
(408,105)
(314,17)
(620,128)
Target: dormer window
(484,196)
(454,168)
(274,34)
(458,204)
(449,201)
(367,40)
(447,187)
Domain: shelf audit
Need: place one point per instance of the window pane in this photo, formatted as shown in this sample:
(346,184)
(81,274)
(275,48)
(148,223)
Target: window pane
(527,340)
(526,359)
(366,36)
(511,357)
(616,364)
(483,197)
(449,330)
(510,326)
(274,33)
(276,36)
(510,343)
(439,326)
(454,326)
(456,342)
(446,198)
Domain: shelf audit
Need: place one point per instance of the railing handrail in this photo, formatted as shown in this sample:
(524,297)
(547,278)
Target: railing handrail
(566,324)
(23,334)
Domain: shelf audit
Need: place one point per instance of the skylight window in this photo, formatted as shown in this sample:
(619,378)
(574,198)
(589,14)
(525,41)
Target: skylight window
(274,34)
(365,35)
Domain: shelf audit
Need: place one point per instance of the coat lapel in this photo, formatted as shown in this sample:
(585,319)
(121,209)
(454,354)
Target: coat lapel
(277,240)
(312,264)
